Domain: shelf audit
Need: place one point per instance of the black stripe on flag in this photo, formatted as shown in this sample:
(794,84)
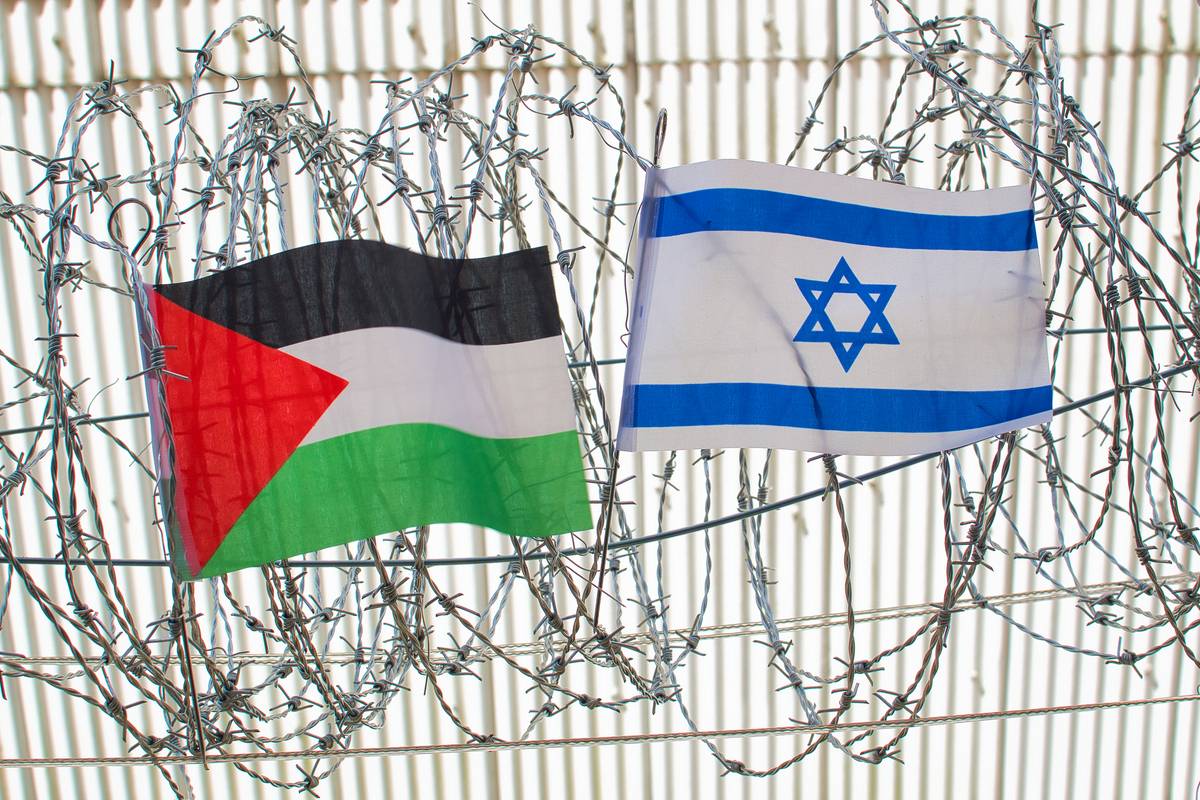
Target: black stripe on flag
(332,287)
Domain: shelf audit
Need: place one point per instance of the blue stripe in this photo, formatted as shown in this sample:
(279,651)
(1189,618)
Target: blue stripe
(777,212)
(827,408)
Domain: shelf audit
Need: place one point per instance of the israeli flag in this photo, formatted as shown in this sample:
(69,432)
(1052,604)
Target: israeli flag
(780,307)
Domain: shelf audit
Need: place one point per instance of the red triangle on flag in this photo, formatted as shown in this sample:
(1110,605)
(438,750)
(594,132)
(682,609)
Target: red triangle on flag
(240,414)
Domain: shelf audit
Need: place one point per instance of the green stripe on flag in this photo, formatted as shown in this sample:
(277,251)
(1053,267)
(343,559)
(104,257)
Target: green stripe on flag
(384,479)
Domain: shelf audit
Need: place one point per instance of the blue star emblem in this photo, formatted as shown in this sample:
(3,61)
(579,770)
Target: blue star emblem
(817,327)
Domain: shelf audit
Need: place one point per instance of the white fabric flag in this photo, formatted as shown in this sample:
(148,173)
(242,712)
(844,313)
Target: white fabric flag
(780,307)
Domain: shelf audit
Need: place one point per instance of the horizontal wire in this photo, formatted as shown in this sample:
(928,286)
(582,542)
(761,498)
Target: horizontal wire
(620,544)
(591,741)
(78,421)
(727,630)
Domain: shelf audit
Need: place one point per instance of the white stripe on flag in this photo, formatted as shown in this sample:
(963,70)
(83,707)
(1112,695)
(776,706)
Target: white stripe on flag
(780,307)
(400,375)
(740,308)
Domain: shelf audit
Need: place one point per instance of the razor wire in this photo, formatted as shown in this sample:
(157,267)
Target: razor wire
(340,645)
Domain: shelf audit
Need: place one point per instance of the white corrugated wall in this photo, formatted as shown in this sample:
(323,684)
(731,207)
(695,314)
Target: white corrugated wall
(736,77)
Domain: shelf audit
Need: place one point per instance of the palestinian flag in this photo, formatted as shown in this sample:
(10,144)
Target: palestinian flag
(346,389)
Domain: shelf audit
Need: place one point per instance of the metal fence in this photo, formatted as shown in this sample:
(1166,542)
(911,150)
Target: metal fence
(737,79)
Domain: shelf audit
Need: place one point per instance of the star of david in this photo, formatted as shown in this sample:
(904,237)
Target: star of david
(817,327)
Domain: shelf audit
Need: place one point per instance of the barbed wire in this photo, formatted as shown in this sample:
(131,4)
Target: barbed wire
(182,684)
